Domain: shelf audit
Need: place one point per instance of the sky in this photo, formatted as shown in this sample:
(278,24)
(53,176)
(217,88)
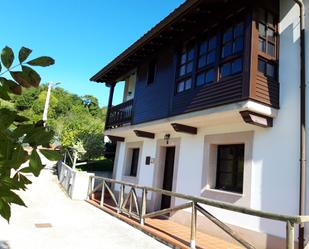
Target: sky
(81,35)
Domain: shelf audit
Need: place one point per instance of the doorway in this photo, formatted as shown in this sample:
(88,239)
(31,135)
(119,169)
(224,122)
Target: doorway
(168,176)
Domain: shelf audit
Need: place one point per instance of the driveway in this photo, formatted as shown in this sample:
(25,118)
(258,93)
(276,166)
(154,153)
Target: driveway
(53,221)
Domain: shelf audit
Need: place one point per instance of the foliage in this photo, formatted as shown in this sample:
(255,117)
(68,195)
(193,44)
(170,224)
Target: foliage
(76,120)
(99,165)
(16,130)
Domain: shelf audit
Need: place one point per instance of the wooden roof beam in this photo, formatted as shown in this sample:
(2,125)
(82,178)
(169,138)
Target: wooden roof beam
(116,138)
(256,119)
(184,128)
(145,134)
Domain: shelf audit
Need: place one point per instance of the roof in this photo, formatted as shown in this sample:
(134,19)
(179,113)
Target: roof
(143,46)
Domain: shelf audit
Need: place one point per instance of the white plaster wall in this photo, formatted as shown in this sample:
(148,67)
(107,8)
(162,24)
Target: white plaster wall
(275,166)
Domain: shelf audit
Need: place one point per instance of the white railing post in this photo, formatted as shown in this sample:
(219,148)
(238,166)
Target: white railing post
(144,207)
(289,235)
(193,227)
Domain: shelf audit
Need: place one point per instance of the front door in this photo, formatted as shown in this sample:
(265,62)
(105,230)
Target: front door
(168,176)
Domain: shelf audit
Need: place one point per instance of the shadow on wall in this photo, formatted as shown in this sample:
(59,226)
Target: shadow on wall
(4,245)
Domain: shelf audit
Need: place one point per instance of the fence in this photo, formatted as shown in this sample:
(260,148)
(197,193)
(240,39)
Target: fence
(130,205)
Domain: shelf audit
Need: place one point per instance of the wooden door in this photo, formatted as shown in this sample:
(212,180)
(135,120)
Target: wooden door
(168,176)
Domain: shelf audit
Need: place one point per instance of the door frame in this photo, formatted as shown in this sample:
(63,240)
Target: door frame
(159,170)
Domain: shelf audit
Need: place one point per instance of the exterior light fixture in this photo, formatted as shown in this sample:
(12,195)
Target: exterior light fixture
(167,137)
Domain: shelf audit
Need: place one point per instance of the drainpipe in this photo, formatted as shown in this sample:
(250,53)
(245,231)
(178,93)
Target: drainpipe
(302,158)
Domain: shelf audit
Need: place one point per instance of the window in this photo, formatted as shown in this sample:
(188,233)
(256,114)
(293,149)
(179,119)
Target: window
(267,68)
(134,162)
(267,32)
(185,68)
(214,57)
(230,68)
(207,52)
(230,167)
(233,40)
(151,72)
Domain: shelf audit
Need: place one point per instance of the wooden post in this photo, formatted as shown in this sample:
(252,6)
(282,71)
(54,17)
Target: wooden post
(289,235)
(144,207)
(102,194)
(120,198)
(193,227)
(110,104)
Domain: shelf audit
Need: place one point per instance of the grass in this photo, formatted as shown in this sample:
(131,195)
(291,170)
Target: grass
(98,165)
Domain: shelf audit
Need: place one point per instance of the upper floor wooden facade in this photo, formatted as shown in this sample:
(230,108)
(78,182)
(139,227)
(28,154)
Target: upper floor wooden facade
(205,54)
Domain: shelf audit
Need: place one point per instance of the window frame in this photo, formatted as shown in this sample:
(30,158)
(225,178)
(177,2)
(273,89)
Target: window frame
(240,154)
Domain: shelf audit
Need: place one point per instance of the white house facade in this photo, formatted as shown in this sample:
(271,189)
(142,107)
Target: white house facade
(244,150)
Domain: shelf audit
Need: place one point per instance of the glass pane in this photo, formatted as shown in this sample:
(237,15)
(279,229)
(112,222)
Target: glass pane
(183,58)
(270,49)
(270,70)
(211,57)
(238,45)
(203,47)
(180,86)
(227,50)
(239,29)
(202,61)
(225,70)
(212,43)
(271,34)
(182,70)
(262,45)
(191,54)
(226,166)
(261,66)
(210,76)
(262,29)
(226,180)
(200,80)
(189,67)
(188,84)
(228,35)
(237,66)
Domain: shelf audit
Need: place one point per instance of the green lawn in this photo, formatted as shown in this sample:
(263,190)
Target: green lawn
(98,165)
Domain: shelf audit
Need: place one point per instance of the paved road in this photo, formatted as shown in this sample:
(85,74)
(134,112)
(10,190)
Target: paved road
(74,224)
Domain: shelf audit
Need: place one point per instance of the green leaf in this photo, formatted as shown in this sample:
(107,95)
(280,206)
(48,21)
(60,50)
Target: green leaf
(4,93)
(22,78)
(7,117)
(7,57)
(35,163)
(23,54)
(22,178)
(34,77)
(12,85)
(42,61)
(5,210)
(51,154)
(10,197)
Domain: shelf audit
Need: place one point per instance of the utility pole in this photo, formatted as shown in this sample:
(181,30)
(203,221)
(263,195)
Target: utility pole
(47,102)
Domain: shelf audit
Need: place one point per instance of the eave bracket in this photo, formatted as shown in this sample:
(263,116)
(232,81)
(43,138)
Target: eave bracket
(184,128)
(256,119)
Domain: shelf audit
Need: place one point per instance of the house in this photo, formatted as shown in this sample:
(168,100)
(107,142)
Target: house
(211,107)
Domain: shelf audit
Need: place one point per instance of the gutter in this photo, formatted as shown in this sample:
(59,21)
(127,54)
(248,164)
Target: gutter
(302,156)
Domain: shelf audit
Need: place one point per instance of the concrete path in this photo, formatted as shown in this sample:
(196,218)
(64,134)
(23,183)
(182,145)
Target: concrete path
(74,224)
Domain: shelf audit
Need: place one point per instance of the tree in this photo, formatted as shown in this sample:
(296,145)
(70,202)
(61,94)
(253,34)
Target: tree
(16,129)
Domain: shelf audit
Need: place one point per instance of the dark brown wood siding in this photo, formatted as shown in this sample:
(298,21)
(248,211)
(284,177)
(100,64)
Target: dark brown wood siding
(225,91)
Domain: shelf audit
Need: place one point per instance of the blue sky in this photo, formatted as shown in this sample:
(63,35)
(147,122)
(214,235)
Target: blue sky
(81,35)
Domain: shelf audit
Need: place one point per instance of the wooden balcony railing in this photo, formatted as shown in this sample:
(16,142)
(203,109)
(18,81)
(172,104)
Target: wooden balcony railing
(119,115)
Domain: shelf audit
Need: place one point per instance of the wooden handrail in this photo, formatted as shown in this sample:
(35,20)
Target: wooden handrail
(193,203)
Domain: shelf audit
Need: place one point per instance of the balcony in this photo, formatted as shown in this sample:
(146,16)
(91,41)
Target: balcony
(119,115)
